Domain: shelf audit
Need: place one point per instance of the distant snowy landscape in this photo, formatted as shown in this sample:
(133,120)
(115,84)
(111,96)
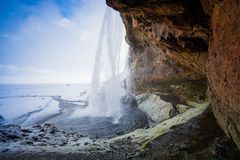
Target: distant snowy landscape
(25,104)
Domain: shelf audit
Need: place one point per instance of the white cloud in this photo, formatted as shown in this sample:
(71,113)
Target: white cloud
(14,74)
(52,46)
(8,68)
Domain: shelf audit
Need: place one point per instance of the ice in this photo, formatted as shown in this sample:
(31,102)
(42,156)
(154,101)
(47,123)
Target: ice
(51,109)
(11,108)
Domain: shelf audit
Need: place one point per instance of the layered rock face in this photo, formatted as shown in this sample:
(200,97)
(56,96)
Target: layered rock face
(179,46)
(168,45)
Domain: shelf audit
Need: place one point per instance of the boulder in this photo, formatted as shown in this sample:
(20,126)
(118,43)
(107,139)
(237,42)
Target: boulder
(182,108)
(157,109)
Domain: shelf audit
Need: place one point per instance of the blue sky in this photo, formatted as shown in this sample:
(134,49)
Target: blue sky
(48,41)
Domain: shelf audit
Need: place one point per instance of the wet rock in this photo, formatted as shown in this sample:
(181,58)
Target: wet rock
(77,144)
(157,109)
(10,133)
(37,126)
(42,144)
(41,135)
(5,150)
(2,120)
(29,142)
(199,138)
(2,139)
(50,128)
(63,143)
(13,136)
(182,108)
(129,99)
(44,135)
(86,143)
(35,138)
(26,131)
(120,133)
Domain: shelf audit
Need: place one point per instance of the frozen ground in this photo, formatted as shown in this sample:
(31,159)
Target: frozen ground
(25,104)
(28,105)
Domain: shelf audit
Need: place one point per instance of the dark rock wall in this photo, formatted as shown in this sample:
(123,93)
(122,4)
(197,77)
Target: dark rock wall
(179,46)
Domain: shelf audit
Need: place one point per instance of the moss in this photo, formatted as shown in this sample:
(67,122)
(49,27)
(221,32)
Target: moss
(191,90)
(157,109)
(143,136)
(186,90)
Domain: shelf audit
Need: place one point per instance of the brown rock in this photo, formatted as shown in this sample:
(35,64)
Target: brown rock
(153,6)
(168,42)
(224,67)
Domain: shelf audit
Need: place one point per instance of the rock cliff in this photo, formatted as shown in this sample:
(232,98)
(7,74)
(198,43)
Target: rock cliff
(184,46)
(168,45)
(224,67)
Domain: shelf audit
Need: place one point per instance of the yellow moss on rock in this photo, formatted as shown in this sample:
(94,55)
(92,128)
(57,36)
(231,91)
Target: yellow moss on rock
(143,136)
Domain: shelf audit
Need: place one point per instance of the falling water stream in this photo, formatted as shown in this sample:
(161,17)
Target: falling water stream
(106,90)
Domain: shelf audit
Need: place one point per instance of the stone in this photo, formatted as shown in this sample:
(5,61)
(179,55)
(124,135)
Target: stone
(26,130)
(10,133)
(86,143)
(37,126)
(29,142)
(120,132)
(35,138)
(182,108)
(2,120)
(50,128)
(5,150)
(157,109)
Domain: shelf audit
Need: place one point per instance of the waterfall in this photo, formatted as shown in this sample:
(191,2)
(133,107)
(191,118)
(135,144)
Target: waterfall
(106,90)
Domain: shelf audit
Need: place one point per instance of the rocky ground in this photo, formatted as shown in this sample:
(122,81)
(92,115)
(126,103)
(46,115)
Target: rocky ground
(190,134)
(14,138)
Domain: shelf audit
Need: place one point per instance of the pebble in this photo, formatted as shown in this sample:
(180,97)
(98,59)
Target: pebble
(5,150)
(29,142)
(37,126)
(42,144)
(26,130)
(35,138)
(86,143)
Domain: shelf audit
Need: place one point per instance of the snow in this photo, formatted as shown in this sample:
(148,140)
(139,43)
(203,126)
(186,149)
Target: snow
(11,108)
(52,108)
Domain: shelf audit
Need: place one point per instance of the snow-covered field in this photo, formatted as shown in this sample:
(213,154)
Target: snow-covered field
(26,104)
